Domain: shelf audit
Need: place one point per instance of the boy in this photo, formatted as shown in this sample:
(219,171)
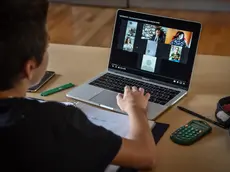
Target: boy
(49,136)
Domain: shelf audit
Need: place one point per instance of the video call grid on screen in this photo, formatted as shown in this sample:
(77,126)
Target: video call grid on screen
(152,48)
(156,41)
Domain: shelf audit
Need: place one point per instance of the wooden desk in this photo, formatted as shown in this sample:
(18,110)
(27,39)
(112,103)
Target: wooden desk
(211,81)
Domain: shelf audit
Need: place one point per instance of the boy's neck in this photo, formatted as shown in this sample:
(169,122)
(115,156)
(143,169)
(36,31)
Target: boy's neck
(19,91)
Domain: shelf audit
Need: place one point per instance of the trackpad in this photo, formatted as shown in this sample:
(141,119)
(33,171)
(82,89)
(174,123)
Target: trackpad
(107,98)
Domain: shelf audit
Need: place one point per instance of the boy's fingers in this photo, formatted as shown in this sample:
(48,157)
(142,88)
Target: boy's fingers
(147,96)
(134,89)
(120,96)
(127,90)
(142,90)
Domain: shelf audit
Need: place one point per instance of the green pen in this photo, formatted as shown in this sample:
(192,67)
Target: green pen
(57,89)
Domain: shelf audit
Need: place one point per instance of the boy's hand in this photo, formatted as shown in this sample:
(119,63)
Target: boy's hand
(133,100)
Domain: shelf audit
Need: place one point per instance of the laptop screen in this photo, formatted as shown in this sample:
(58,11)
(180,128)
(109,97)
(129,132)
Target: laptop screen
(154,47)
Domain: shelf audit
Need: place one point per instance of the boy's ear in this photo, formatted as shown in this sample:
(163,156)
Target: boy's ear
(29,69)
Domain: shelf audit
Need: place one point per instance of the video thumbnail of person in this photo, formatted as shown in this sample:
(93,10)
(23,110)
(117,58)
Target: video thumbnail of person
(129,43)
(151,48)
(175,53)
(179,38)
(148,63)
(148,31)
(154,33)
(131,29)
(130,36)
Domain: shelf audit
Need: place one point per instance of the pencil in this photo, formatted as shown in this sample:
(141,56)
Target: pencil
(201,117)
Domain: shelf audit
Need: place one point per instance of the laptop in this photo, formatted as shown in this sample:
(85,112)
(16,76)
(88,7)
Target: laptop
(153,52)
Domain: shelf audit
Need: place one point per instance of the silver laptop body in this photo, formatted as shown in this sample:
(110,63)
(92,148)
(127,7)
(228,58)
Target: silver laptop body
(105,98)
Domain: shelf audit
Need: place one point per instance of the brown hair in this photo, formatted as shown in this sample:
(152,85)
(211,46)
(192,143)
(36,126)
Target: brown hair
(128,39)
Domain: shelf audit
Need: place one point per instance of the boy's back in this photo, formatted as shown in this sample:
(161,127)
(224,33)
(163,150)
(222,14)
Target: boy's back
(49,136)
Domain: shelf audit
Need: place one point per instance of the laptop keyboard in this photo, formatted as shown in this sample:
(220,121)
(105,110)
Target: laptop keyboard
(160,95)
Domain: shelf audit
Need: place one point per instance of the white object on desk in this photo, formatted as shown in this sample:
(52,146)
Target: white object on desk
(115,122)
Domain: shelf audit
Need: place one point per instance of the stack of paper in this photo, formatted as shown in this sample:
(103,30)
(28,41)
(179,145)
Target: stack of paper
(115,122)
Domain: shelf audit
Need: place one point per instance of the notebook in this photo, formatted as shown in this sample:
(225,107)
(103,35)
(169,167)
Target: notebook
(115,122)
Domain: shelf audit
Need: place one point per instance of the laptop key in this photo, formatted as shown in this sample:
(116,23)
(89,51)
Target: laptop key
(116,83)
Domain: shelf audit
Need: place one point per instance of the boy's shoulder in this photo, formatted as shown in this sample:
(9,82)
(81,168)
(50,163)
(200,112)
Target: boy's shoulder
(48,107)
(40,112)
(37,107)
(47,104)
(39,104)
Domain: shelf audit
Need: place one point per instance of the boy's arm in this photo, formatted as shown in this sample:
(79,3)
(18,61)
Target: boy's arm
(139,151)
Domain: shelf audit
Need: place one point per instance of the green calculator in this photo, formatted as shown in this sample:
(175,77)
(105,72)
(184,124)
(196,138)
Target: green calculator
(191,132)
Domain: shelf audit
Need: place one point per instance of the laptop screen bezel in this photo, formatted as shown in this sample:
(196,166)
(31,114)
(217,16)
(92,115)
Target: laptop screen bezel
(194,27)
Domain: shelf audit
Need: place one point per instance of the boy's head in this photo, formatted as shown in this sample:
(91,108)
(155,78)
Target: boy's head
(23,42)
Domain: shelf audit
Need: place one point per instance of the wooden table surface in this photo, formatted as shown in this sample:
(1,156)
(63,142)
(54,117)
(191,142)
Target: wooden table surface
(210,82)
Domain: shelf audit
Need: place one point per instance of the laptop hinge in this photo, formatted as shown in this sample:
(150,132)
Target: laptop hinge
(122,73)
